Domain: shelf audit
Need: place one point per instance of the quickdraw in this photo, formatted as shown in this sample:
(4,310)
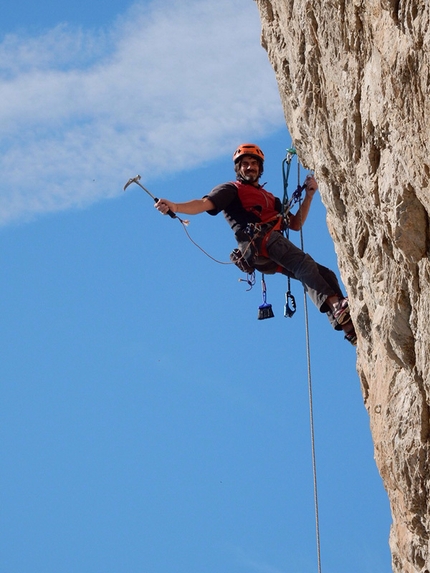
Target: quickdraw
(290,301)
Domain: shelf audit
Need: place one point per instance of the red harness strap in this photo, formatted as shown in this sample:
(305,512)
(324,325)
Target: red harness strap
(276,227)
(263,250)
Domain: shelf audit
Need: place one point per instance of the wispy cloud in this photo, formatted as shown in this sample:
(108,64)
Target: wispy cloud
(255,564)
(169,86)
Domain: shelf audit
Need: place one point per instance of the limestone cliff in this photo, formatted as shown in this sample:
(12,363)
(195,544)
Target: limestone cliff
(354,80)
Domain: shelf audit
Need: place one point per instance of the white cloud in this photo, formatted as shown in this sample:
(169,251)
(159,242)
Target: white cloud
(255,564)
(171,85)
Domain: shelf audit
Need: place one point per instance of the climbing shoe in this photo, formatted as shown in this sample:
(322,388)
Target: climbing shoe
(349,330)
(351,337)
(341,314)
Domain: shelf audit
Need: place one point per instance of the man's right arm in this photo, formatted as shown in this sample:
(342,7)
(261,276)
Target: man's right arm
(193,207)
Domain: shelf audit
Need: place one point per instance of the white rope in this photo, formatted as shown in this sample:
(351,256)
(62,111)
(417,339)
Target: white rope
(312,431)
(311,409)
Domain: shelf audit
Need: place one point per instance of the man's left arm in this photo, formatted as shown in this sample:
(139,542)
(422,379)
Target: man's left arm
(297,220)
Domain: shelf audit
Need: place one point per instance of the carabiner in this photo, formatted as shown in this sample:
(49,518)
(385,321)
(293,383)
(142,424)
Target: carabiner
(289,310)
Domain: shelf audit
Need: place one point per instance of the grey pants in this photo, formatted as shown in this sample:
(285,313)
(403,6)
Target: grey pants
(320,282)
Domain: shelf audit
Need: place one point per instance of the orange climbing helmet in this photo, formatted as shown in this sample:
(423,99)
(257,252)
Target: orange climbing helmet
(248,149)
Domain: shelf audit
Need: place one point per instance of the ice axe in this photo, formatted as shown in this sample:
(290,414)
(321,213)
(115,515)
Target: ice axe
(137,181)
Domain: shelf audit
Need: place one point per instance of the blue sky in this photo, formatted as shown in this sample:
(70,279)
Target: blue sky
(149,421)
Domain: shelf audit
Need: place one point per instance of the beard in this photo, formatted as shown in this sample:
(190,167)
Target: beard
(251,177)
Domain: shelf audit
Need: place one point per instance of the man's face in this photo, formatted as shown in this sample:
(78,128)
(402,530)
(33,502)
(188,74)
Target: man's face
(250,169)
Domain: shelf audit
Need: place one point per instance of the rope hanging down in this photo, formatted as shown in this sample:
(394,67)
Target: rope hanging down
(290,153)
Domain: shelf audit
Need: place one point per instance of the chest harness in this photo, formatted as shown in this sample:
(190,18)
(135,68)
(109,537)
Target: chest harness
(252,252)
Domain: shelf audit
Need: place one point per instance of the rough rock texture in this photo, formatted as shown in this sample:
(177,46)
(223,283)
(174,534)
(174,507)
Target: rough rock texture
(354,79)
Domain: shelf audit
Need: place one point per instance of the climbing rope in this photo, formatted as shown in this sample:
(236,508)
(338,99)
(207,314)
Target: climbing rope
(184,222)
(202,249)
(312,432)
(311,410)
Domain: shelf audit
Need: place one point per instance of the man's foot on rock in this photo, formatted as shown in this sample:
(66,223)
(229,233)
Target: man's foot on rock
(341,312)
(351,337)
(350,334)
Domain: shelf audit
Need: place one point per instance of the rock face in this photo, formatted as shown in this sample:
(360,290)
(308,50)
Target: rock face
(354,79)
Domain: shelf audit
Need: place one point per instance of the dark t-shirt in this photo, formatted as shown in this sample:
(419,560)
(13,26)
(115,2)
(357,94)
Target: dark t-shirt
(225,197)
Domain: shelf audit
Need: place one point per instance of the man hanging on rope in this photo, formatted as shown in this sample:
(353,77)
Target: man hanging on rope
(255,217)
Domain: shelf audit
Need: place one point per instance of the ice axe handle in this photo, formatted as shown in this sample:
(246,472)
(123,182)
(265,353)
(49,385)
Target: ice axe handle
(137,181)
(169,212)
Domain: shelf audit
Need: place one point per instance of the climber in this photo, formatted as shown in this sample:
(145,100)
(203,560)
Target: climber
(254,215)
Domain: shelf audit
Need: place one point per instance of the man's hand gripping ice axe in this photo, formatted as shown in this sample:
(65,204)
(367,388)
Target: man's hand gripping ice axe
(169,212)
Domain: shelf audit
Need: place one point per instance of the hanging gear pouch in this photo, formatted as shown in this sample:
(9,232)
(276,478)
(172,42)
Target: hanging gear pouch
(238,258)
(246,257)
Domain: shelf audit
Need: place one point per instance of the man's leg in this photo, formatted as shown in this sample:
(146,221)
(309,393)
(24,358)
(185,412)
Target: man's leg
(302,267)
(320,282)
